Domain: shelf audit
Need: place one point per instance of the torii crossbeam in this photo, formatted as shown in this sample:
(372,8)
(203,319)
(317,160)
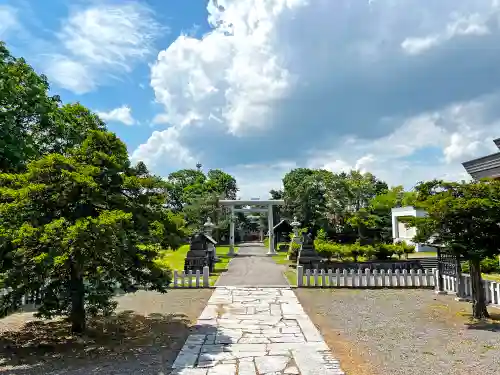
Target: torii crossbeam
(269,203)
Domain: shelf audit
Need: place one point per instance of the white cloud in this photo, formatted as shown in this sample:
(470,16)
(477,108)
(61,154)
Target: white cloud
(449,136)
(122,114)
(100,42)
(294,80)
(8,20)
(472,24)
(165,148)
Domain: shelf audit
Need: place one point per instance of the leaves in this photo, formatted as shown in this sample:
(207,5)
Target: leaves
(88,213)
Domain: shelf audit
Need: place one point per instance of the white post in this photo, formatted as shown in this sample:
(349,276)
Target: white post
(271,251)
(300,276)
(206,277)
(231,233)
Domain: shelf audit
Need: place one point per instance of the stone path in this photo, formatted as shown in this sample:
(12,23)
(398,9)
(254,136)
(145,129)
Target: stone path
(252,267)
(255,331)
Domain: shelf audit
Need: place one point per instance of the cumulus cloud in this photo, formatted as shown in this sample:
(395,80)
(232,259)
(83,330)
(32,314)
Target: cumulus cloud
(122,114)
(332,83)
(164,150)
(101,42)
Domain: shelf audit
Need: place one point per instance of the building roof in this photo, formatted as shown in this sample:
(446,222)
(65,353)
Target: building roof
(486,166)
(283,226)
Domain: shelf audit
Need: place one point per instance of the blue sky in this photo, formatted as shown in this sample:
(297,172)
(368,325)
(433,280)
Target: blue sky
(406,89)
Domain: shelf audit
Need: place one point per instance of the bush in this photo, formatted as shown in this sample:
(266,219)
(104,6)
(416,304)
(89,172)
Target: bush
(488,265)
(355,250)
(384,251)
(327,249)
(293,250)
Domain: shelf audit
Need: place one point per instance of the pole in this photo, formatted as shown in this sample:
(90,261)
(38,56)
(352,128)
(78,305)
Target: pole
(231,233)
(271,251)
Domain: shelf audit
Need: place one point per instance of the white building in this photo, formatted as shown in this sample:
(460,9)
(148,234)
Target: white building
(399,230)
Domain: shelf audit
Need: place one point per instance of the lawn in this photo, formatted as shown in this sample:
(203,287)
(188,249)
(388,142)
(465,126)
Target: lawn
(290,273)
(175,260)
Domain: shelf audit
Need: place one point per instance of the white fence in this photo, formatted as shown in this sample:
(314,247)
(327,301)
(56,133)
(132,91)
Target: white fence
(491,288)
(191,279)
(180,279)
(368,279)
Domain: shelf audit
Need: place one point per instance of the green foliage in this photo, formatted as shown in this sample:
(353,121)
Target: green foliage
(462,217)
(355,250)
(32,123)
(197,197)
(403,248)
(321,235)
(293,249)
(336,203)
(72,227)
(488,265)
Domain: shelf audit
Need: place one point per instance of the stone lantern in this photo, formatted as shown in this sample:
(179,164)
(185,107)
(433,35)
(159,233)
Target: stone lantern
(208,229)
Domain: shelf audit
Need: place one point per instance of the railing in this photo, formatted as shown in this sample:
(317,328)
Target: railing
(180,279)
(191,279)
(367,279)
(491,288)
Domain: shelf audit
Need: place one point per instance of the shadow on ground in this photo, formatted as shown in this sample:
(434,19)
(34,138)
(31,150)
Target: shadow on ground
(136,343)
(491,324)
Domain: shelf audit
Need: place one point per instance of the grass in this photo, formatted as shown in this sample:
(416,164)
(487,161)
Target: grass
(491,276)
(175,260)
(290,273)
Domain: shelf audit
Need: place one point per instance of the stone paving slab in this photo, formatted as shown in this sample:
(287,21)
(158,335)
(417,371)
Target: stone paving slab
(255,331)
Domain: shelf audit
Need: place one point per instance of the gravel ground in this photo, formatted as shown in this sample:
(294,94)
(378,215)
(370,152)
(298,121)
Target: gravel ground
(143,338)
(403,332)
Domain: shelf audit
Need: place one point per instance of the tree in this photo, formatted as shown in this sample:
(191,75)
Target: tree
(180,180)
(32,123)
(304,194)
(76,227)
(463,217)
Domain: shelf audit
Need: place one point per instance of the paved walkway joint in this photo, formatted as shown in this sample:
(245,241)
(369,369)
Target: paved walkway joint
(255,331)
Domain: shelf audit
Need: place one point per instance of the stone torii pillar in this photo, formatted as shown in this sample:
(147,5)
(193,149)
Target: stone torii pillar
(231,232)
(231,203)
(270,219)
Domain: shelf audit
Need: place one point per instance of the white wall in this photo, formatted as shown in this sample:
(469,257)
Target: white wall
(399,230)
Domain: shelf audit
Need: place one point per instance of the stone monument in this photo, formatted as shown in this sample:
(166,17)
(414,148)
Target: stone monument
(308,257)
(198,257)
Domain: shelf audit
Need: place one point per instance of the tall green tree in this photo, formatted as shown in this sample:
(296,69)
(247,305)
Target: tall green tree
(33,123)
(75,227)
(463,217)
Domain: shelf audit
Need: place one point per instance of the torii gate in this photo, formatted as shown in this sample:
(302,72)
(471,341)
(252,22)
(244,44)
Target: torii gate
(269,203)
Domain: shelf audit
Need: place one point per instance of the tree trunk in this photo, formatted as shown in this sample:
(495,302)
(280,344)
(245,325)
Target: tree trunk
(479,310)
(77,315)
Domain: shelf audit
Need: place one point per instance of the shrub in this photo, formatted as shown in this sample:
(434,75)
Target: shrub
(384,251)
(488,265)
(407,248)
(399,249)
(293,249)
(321,235)
(355,250)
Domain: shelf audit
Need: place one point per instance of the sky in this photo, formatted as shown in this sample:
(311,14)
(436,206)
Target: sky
(405,89)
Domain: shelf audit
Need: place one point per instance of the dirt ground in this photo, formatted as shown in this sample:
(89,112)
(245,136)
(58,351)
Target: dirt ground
(143,337)
(403,332)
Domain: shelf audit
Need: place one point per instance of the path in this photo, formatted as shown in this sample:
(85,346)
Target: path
(252,267)
(254,329)
(250,331)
